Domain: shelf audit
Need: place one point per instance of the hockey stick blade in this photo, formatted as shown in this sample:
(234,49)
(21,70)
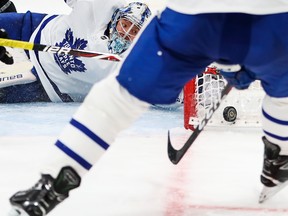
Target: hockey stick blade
(58,50)
(176,155)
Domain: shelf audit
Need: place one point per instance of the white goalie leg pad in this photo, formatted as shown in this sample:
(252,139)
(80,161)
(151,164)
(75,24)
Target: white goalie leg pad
(16,74)
(107,110)
(275,121)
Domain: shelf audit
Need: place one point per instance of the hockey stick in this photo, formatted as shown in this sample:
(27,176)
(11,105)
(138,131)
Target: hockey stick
(57,49)
(176,155)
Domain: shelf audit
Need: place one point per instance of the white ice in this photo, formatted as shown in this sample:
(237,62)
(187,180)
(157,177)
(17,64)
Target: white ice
(219,175)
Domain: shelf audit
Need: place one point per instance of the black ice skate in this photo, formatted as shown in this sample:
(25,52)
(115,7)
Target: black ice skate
(275,171)
(46,194)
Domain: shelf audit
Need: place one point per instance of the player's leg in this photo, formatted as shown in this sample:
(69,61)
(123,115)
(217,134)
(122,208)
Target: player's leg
(275,127)
(112,105)
(107,110)
(269,63)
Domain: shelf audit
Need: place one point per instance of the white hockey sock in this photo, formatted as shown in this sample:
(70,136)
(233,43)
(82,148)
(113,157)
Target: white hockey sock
(107,110)
(275,121)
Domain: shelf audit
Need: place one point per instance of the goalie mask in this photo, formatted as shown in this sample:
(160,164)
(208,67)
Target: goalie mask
(126,22)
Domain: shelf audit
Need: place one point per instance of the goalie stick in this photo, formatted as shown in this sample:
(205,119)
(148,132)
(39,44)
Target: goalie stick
(57,49)
(176,155)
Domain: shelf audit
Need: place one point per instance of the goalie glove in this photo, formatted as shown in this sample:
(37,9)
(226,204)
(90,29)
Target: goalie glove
(4,54)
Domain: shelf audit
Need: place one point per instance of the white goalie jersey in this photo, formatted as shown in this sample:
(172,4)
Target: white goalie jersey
(69,78)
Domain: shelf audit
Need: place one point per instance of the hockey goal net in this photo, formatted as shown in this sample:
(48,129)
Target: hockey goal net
(239,108)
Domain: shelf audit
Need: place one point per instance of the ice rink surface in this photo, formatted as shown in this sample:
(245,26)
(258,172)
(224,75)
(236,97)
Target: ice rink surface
(219,175)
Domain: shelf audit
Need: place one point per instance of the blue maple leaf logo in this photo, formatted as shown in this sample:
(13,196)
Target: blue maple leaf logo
(69,63)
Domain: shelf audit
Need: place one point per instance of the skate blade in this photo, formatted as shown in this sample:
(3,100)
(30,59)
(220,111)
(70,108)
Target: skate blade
(17,212)
(268,192)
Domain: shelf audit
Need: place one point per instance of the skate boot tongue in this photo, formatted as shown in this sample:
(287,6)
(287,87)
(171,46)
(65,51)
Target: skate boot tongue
(67,180)
(271,154)
(271,150)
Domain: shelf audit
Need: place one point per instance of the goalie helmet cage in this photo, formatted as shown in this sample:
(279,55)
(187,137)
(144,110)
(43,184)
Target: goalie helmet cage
(240,108)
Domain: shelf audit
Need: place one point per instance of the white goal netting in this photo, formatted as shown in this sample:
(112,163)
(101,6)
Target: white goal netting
(239,108)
